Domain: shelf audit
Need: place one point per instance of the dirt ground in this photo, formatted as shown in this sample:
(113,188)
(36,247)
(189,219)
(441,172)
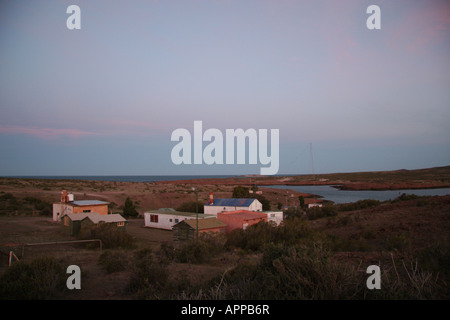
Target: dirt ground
(96,283)
(421,222)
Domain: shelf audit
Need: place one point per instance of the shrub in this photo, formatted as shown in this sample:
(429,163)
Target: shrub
(166,252)
(40,279)
(253,238)
(149,277)
(113,261)
(343,221)
(257,236)
(199,251)
(405,197)
(321,212)
(358,205)
(400,242)
(190,206)
(292,272)
(109,234)
(436,258)
(43,206)
(129,208)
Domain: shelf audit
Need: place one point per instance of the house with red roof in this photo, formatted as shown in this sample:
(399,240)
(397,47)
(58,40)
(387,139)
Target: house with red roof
(240,219)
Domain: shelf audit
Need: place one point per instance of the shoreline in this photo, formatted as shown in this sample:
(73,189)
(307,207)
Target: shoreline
(428,178)
(342,185)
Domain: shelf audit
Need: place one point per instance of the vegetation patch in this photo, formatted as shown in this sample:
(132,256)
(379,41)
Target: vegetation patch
(40,279)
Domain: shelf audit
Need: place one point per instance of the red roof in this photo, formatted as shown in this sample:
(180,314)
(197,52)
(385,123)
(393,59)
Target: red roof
(245,214)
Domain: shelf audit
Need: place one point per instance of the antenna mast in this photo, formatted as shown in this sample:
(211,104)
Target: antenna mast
(312,165)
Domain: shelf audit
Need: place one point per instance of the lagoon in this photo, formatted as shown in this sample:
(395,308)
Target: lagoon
(328,192)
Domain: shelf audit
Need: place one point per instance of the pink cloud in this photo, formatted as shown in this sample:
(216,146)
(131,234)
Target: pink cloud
(44,133)
(423,26)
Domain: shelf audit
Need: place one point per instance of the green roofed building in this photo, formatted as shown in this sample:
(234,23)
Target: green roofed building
(78,221)
(186,230)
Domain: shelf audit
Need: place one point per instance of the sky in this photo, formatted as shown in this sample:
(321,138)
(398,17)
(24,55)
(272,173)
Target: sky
(105,99)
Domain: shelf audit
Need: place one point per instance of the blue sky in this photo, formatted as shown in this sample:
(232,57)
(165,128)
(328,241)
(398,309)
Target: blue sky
(105,99)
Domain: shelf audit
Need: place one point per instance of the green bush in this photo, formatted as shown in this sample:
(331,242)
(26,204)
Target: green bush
(321,212)
(199,251)
(292,273)
(40,279)
(253,238)
(191,206)
(166,252)
(149,278)
(129,208)
(405,197)
(399,242)
(358,205)
(257,236)
(111,236)
(436,258)
(113,261)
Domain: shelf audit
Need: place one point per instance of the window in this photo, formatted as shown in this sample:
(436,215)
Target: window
(154,218)
(176,220)
(86,210)
(120,224)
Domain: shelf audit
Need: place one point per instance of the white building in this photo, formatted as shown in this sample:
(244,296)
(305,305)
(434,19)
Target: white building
(274,216)
(314,204)
(214,206)
(166,218)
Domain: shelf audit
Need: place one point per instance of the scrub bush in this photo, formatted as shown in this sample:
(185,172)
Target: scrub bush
(40,279)
(109,234)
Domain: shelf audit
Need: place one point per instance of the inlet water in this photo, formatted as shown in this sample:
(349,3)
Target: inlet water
(330,193)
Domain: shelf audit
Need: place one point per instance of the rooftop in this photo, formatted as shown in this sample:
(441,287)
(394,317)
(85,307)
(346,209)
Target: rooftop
(209,223)
(179,213)
(96,217)
(232,202)
(87,202)
(245,214)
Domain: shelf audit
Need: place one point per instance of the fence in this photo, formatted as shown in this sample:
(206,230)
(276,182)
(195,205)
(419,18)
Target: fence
(23,245)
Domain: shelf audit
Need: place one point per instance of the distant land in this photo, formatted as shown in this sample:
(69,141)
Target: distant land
(437,177)
(172,193)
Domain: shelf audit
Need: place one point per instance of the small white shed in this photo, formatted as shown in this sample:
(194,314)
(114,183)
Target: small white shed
(167,218)
(274,216)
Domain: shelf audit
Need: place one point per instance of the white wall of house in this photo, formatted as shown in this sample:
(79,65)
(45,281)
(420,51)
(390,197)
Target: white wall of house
(164,220)
(214,210)
(60,209)
(274,216)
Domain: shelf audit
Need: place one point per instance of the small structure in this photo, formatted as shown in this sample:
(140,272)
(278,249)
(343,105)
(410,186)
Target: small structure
(274,216)
(67,204)
(214,206)
(79,221)
(166,218)
(240,219)
(310,203)
(186,230)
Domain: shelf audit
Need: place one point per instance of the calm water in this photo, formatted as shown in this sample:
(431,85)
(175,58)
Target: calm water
(345,196)
(327,192)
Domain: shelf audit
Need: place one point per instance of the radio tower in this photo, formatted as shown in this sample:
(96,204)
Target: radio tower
(312,166)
